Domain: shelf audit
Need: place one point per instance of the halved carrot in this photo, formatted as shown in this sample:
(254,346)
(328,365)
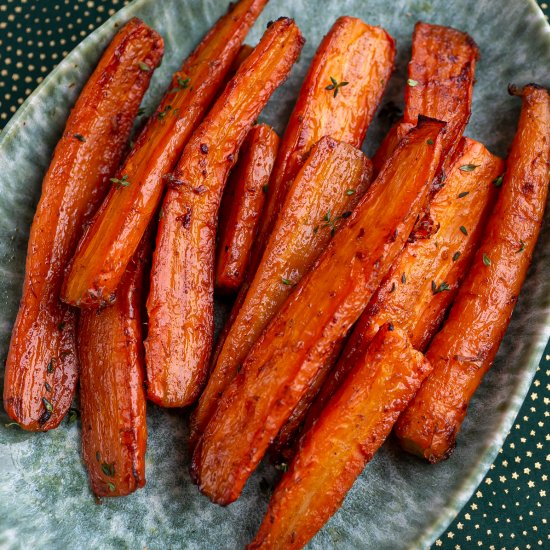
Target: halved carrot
(242,205)
(335,451)
(423,283)
(323,306)
(41,369)
(464,349)
(108,245)
(112,396)
(180,302)
(440,85)
(338,98)
(325,191)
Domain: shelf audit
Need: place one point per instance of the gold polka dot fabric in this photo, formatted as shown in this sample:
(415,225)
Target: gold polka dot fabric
(509,510)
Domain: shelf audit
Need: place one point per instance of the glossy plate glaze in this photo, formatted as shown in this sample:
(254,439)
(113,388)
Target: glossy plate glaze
(399,502)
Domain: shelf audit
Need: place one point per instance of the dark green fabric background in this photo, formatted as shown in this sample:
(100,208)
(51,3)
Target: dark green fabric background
(510,508)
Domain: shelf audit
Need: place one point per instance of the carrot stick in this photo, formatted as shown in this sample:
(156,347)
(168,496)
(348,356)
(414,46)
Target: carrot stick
(325,191)
(108,245)
(422,284)
(112,396)
(242,206)
(323,306)
(462,352)
(440,85)
(41,369)
(180,302)
(348,433)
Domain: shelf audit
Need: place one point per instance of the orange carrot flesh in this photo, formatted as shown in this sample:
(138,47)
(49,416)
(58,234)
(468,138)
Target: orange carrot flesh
(242,206)
(424,281)
(112,396)
(359,58)
(325,191)
(108,245)
(326,302)
(335,451)
(41,369)
(180,302)
(464,349)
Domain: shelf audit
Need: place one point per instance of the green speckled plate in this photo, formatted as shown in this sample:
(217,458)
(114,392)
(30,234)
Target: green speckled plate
(398,502)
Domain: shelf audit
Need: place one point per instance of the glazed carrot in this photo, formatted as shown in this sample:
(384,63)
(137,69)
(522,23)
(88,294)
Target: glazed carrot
(440,85)
(180,302)
(112,396)
(325,191)
(323,306)
(464,349)
(41,369)
(335,451)
(339,96)
(108,245)
(242,205)
(423,282)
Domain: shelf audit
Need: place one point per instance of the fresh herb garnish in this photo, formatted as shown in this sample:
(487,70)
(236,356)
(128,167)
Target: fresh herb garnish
(141,111)
(521,247)
(350,192)
(80,137)
(335,85)
(486,259)
(430,142)
(163,113)
(412,83)
(265,188)
(47,386)
(49,368)
(404,278)
(183,84)
(111,487)
(72,416)
(464,230)
(47,405)
(393,287)
(463,194)
(456,255)
(11,425)
(122,182)
(468,167)
(287,282)
(108,469)
(497,182)
(144,67)
(441,288)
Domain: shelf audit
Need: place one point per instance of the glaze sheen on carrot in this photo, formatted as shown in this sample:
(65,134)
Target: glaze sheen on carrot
(462,352)
(332,455)
(41,369)
(108,245)
(323,195)
(338,98)
(112,396)
(180,303)
(422,284)
(320,310)
(440,85)
(242,206)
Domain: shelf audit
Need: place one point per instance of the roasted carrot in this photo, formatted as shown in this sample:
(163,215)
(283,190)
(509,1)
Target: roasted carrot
(112,396)
(41,369)
(180,302)
(323,306)
(423,282)
(242,205)
(464,349)
(108,245)
(440,85)
(338,98)
(325,191)
(335,451)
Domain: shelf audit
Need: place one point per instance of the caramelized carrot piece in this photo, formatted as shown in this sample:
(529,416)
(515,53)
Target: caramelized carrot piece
(440,85)
(339,96)
(464,349)
(112,396)
(242,206)
(423,282)
(180,302)
(108,245)
(325,191)
(332,455)
(41,369)
(324,305)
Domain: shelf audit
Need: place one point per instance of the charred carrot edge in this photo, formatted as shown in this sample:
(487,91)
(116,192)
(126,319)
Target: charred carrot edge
(180,302)
(323,195)
(334,452)
(41,369)
(109,243)
(464,349)
(323,306)
(338,98)
(112,396)
(440,85)
(242,205)
(424,281)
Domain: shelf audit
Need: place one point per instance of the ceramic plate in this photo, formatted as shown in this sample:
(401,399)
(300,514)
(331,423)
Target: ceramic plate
(398,502)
